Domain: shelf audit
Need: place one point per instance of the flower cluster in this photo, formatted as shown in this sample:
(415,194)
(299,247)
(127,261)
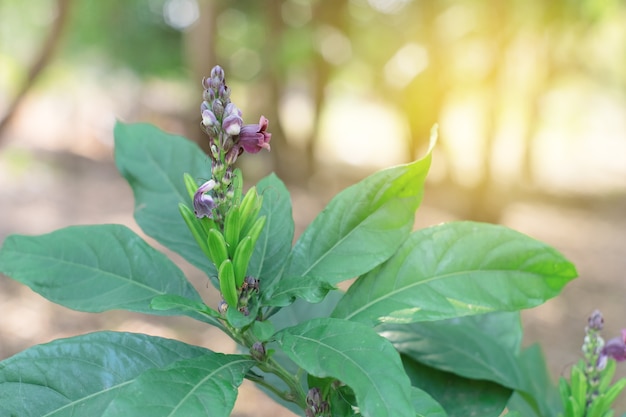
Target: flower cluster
(222,122)
(316,406)
(589,391)
(228,138)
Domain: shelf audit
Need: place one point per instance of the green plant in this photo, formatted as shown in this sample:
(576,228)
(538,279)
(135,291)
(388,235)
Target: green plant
(429,328)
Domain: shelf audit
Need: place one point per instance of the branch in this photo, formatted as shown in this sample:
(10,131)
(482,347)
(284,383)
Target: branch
(42,60)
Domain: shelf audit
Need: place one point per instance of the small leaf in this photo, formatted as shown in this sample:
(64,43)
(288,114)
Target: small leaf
(457,269)
(201,386)
(354,354)
(301,311)
(263,330)
(311,289)
(94,268)
(154,163)
(185,306)
(80,376)
(362,226)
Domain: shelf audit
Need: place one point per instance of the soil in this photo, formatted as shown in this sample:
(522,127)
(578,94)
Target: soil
(42,191)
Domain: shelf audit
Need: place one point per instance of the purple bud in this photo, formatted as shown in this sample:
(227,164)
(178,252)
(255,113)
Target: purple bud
(224,92)
(233,154)
(251,283)
(222,307)
(217,72)
(218,108)
(208,118)
(255,137)
(314,397)
(232,125)
(231,109)
(203,204)
(258,351)
(596,321)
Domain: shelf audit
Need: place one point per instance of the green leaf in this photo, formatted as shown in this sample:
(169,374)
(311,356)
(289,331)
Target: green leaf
(457,269)
(354,354)
(80,376)
(263,330)
(310,289)
(301,311)
(539,391)
(459,397)
(94,268)
(184,306)
(425,405)
(201,386)
(362,226)
(154,162)
(459,347)
(274,243)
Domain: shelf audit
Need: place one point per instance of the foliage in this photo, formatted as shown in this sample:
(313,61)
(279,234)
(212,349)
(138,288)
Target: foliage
(430,326)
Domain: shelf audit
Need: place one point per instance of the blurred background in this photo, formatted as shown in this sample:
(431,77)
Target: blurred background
(529,95)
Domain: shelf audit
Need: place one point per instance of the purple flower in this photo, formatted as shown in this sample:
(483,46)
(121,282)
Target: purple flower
(203,204)
(614,348)
(255,137)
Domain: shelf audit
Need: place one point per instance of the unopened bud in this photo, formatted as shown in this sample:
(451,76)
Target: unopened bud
(258,351)
(217,72)
(596,321)
(218,108)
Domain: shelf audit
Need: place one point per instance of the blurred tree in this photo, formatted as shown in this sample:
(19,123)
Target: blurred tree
(47,50)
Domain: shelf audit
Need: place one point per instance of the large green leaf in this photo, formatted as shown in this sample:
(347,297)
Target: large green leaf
(80,376)
(539,396)
(201,386)
(354,354)
(460,397)
(94,268)
(457,346)
(153,162)
(272,248)
(362,226)
(425,405)
(457,269)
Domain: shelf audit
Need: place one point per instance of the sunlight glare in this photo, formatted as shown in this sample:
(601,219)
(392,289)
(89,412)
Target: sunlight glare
(362,132)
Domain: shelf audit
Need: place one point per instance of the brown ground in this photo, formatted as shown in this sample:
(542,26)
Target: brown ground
(42,191)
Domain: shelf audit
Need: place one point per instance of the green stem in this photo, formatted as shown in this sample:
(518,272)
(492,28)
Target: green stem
(296,393)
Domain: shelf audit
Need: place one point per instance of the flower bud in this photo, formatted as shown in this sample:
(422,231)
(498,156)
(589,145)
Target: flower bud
(218,108)
(208,118)
(596,321)
(203,203)
(232,124)
(258,351)
(314,397)
(217,72)
(224,92)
